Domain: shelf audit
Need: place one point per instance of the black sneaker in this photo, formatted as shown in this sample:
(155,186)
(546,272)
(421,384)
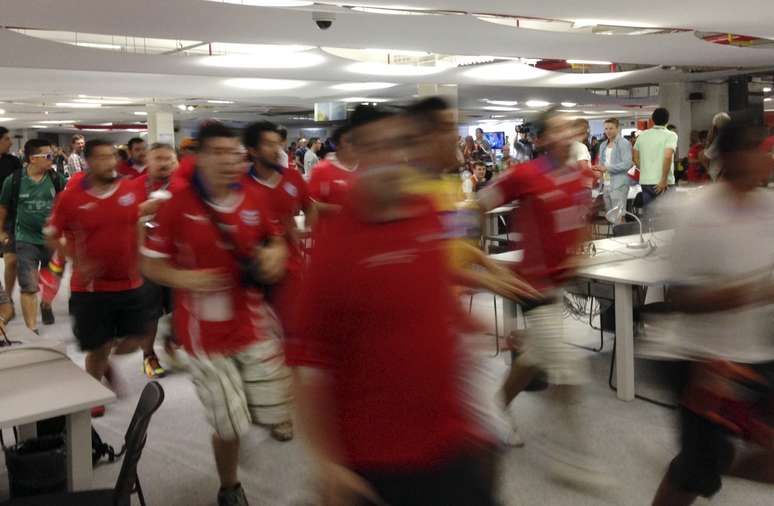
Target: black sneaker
(234,496)
(46,314)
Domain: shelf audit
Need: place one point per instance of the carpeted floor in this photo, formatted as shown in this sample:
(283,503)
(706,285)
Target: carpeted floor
(636,440)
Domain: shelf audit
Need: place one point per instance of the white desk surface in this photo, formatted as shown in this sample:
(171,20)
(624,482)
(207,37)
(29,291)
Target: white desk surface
(47,389)
(502,209)
(633,191)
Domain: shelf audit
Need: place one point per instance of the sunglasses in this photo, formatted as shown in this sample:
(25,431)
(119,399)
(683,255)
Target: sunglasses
(47,156)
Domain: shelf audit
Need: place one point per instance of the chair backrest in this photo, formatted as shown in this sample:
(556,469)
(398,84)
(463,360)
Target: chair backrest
(626,229)
(151,398)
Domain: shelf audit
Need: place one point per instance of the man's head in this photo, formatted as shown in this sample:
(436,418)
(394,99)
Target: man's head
(506,151)
(479,170)
(38,154)
(433,134)
(582,129)
(660,116)
(162,161)
(315,144)
(745,164)
(78,143)
(612,127)
(5,141)
(555,134)
(301,144)
(100,156)
(703,136)
(137,150)
(263,142)
(220,156)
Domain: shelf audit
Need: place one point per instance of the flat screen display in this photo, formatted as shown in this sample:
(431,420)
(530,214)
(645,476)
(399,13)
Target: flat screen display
(496,139)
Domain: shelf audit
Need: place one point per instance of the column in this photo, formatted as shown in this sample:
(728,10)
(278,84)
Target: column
(743,102)
(161,125)
(674,96)
(715,100)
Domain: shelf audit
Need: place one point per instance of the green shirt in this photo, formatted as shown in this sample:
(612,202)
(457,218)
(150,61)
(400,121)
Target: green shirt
(34,206)
(651,145)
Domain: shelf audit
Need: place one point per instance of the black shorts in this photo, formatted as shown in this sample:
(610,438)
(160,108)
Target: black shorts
(158,299)
(101,317)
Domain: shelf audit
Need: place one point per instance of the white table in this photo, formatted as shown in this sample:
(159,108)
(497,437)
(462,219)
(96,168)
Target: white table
(625,268)
(48,384)
(491,217)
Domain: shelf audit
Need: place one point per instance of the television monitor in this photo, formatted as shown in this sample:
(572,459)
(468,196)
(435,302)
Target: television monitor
(495,139)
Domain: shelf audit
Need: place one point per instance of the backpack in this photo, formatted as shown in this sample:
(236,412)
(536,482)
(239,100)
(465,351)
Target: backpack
(16,178)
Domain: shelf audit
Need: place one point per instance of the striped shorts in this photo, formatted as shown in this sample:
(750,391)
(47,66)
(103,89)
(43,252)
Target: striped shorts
(248,387)
(545,347)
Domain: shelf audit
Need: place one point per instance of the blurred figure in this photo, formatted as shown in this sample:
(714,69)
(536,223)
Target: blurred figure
(505,161)
(696,172)
(377,384)
(76,162)
(710,158)
(654,154)
(284,160)
(723,336)
(469,150)
(579,152)
(8,165)
(98,216)
(552,219)
(135,165)
(483,146)
(615,160)
(523,148)
(187,147)
(299,153)
(310,156)
(207,244)
(332,178)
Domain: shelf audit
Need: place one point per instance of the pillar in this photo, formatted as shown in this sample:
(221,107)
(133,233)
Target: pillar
(674,96)
(161,125)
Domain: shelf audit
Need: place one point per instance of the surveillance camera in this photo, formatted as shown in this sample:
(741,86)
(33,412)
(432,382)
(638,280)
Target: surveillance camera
(323,20)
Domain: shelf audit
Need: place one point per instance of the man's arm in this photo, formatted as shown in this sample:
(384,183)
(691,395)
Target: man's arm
(626,162)
(3,215)
(636,157)
(666,167)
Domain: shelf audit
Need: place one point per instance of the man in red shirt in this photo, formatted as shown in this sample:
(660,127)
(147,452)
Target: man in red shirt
(551,218)
(377,374)
(98,216)
(207,244)
(135,165)
(332,177)
(285,192)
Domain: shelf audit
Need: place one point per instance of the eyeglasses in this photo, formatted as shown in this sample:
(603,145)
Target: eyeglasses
(47,156)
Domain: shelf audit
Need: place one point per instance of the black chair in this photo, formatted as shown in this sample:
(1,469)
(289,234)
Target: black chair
(128,483)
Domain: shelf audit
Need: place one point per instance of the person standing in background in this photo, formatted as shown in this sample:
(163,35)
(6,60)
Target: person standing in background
(310,157)
(615,159)
(696,172)
(135,165)
(654,154)
(299,153)
(8,165)
(76,162)
(710,157)
(283,160)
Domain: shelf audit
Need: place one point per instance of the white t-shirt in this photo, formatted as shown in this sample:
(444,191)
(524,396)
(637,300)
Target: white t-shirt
(579,152)
(721,241)
(283,158)
(609,154)
(310,160)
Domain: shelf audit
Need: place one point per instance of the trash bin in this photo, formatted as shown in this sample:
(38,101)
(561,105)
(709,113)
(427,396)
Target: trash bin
(36,466)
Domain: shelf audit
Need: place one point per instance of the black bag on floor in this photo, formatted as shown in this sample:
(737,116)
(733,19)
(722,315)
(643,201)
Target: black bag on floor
(36,466)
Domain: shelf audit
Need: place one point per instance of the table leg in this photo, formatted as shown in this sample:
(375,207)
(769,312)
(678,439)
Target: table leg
(27,431)
(624,338)
(79,471)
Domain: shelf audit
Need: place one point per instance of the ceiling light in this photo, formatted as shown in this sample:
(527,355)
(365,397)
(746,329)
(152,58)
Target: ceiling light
(537,103)
(79,105)
(263,60)
(402,52)
(2,111)
(362,86)
(140,113)
(590,112)
(568,110)
(511,71)
(256,83)
(585,23)
(103,101)
(616,112)
(506,103)
(569,104)
(181,107)
(97,45)
(268,3)
(364,99)
(589,62)
(501,108)
(384,69)
(95,129)
(58,121)
(767,99)
(38,126)
(766,90)
(7,119)
(496,116)
(220,101)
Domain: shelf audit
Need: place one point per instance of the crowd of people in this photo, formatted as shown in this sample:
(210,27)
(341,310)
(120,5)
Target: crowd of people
(351,325)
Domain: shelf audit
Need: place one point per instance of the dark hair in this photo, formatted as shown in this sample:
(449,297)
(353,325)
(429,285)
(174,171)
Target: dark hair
(424,111)
(671,127)
(253,134)
(703,135)
(133,141)
(613,121)
(283,133)
(540,125)
(365,114)
(738,135)
(479,129)
(313,141)
(77,137)
(32,146)
(93,144)
(212,129)
(339,133)
(660,116)
(3,131)
(161,145)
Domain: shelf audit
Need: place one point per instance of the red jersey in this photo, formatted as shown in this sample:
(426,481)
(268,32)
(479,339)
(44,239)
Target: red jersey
(218,322)
(330,182)
(128,169)
(75,179)
(695,172)
(551,217)
(144,187)
(102,234)
(375,313)
(286,198)
(184,172)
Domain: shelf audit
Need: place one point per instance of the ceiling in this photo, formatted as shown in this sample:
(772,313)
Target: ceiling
(39,73)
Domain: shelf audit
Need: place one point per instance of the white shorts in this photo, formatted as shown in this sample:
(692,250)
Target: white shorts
(251,386)
(544,347)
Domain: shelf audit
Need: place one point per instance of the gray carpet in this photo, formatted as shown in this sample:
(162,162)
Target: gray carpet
(636,439)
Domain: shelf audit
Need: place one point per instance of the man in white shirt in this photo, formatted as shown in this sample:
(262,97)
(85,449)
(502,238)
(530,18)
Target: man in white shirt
(283,152)
(310,158)
(723,291)
(654,154)
(76,162)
